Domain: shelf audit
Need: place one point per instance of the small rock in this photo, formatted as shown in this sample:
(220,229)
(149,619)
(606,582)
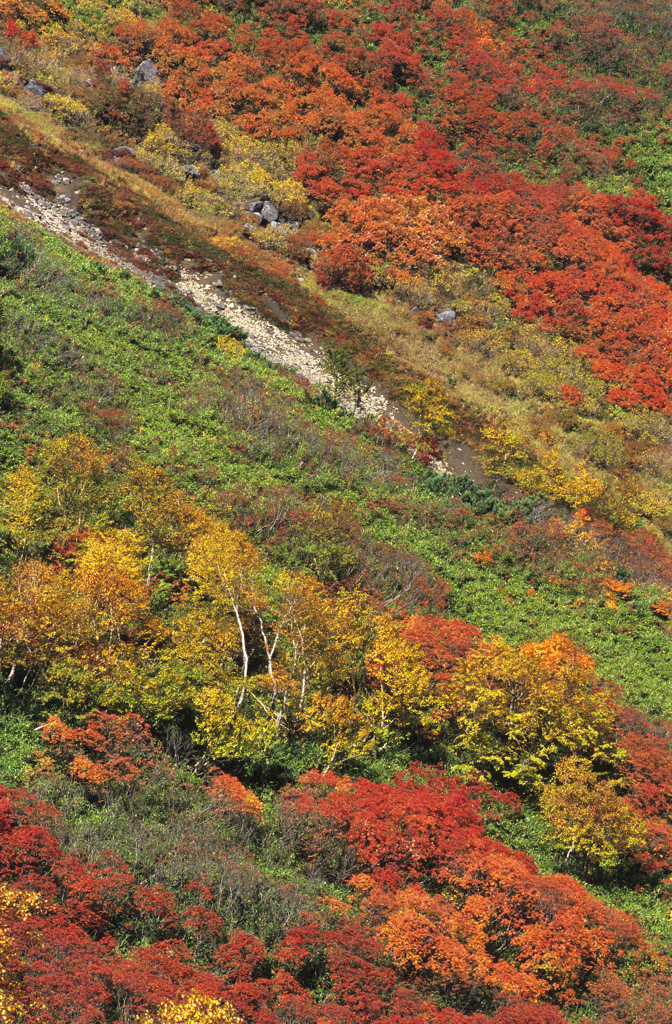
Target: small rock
(66,181)
(269,212)
(123,151)
(34,87)
(5,59)
(414,309)
(255,207)
(145,72)
(446,316)
(191,171)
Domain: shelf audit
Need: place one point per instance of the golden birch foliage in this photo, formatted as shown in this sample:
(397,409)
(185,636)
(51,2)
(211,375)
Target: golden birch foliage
(520,709)
(40,616)
(350,630)
(400,694)
(109,573)
(575,489)
(15,905)
(429,402)
(307,615)
(587,817)
(24,514)
(163,149)
(228,728)
(343,730)
(503,450)
(196,1008)
(19,904)
(228,569)
(160,510)
(254,168)
(73,469)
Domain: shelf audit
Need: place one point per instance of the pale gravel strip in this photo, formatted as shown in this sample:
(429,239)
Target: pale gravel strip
(301,354)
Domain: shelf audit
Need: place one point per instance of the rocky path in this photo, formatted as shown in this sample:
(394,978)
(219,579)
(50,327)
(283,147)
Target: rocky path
(300,352)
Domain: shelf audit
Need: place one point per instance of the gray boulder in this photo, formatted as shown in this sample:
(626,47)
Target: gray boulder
(255,207)
(446,316)
(35,88)
(145,72)
(5,59)
(123,151)
(269,212)
(191,171)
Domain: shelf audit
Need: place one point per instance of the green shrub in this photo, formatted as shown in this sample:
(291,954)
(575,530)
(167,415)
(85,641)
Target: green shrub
(16,251)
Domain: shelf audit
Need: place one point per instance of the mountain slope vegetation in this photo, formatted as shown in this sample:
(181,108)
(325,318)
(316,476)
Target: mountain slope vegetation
(296,728)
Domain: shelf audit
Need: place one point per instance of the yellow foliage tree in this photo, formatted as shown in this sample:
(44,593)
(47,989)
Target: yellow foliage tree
(258,168)
(73,470)
(228,569)
(40,617)
(195,1008)
(503,450)
(587,817)
(229,728)
(162,514)
(108,572)
(400,695)
(23,513)
(519,710)
(429,403)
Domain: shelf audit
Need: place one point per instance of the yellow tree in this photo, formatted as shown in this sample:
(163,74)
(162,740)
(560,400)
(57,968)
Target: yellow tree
(24,513)
(429,402)
(40,617)
(520,710)
(162,514)
(194,1008)
(108,571)
(587,817)
(74,469)
(400,695)
(229,570)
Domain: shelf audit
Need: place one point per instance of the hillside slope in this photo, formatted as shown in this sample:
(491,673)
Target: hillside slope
(295,728)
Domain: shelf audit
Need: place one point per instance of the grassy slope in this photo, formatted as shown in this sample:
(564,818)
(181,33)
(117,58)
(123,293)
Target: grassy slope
(102,353)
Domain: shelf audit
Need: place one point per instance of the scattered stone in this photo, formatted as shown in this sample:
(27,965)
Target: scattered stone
(255,207)
(5,59)
(35,87)
(269,212)
(123,151)
(191,171)
(446,316)
(145,72)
